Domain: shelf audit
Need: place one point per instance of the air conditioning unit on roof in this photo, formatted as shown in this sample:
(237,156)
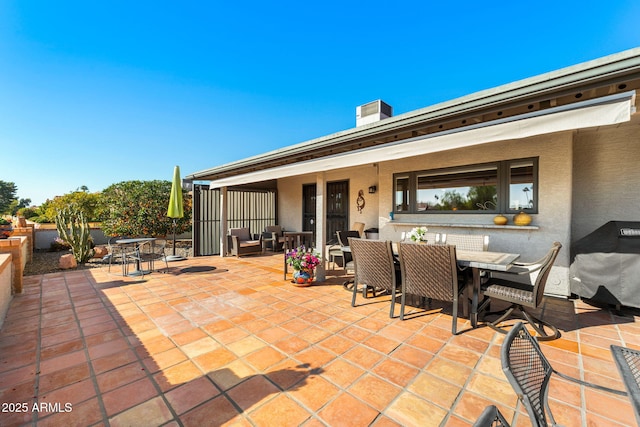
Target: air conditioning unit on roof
(372,112)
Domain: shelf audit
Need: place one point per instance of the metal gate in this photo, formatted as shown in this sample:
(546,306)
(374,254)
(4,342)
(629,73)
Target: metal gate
(249,208)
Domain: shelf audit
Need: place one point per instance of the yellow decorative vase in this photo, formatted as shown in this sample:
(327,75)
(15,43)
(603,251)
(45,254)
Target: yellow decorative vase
(500,219)
(522,219)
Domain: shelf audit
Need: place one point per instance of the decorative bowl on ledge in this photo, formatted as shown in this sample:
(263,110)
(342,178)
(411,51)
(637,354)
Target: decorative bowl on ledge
(500,219)
(522,218)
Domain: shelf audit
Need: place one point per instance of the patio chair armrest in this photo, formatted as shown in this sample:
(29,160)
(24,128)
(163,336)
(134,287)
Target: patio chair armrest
(524,268)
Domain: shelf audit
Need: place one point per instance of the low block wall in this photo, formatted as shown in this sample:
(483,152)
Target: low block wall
(18,248)
(6,267)
(45,234)
(26,231)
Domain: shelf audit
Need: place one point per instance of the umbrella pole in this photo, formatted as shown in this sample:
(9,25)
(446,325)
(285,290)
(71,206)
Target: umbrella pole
(174,237)
(174,257)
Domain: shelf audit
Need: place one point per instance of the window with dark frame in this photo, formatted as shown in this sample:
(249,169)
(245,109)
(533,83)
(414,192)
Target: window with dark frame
(401,202)
(522,191)
(499,187)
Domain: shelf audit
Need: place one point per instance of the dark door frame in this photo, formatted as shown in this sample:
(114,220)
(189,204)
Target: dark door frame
(309,208)
(337,217)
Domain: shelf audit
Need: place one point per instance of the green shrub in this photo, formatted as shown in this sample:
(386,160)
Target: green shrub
(85,202)
(40,219)
(139,208)
(28,213)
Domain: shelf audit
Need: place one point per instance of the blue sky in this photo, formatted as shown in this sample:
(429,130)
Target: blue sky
(94,93)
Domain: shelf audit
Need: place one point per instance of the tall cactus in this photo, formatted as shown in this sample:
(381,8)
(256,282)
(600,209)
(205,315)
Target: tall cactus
(73,228)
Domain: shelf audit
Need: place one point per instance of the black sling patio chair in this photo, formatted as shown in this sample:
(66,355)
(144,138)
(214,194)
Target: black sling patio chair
(152,251)
(491,417)
(529,373)
(522,286)
(117,254)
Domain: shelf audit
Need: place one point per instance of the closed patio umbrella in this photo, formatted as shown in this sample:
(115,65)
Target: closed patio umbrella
(175,209)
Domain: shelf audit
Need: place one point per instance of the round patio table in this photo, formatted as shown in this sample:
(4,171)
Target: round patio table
(135,242)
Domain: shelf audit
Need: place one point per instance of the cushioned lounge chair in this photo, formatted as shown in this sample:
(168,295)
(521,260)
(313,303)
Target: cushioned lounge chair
(241,242)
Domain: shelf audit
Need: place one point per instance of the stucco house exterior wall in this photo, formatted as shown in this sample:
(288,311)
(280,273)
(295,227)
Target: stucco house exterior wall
(580,123)
(360,178)
(606,177)
(553,218)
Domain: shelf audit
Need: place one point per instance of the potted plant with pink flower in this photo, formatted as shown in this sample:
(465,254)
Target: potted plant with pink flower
(304,262)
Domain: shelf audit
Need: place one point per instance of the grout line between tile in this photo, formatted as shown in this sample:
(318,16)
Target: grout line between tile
(92,373)
(148,374)
(36,387)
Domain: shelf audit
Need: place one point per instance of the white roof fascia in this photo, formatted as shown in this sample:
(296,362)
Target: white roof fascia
(603,111)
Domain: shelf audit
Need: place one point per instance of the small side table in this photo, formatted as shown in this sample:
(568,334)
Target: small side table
(266,241)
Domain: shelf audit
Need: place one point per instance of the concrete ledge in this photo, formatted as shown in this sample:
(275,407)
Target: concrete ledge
(6,267)
(459,225)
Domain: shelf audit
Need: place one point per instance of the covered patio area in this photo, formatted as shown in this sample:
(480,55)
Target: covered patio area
(226,341)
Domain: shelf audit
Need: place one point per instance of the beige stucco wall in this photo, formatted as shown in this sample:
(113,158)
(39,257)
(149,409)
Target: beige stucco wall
(554,214)
(606,176)
(586,178)
(360,178)
(553,220)
(5,285)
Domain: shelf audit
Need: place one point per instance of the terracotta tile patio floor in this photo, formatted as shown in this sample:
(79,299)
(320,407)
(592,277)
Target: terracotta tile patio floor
(225,341)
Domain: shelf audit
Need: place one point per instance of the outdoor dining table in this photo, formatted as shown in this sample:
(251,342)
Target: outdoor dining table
(135,243)
(477,261)
(628,363)
(298,237)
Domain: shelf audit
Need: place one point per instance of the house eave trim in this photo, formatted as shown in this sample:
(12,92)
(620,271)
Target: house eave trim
(603,111)
(606,69)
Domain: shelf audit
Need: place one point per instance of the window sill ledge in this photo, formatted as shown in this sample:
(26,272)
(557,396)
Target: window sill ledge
(459,225)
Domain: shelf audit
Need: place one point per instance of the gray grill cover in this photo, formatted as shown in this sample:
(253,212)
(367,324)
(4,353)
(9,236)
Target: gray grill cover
(606,264)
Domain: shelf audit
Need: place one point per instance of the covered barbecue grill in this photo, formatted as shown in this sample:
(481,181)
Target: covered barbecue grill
(605,264)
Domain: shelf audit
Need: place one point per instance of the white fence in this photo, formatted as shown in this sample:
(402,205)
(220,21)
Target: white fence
(45,234)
